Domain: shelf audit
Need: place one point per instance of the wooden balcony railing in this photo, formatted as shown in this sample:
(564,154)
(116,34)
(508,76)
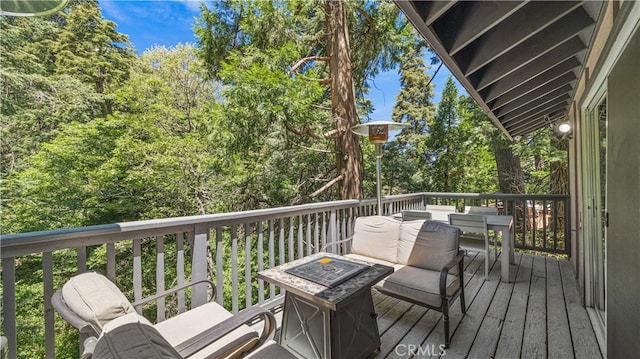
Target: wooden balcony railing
(227,248)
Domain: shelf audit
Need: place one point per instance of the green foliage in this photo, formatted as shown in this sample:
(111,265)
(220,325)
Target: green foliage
(407,154)
(92,134)
(89,48)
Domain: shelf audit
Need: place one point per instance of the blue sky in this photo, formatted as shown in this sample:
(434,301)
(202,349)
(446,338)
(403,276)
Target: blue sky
(167,23)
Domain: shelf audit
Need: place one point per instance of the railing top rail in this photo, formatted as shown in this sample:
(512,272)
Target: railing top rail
(37,242)
(495,195)
(146,225)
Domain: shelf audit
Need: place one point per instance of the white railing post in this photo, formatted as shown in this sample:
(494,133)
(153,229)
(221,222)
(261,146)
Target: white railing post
(333,228)
(199,264)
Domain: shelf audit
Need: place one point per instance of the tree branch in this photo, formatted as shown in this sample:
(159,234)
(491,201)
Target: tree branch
(303,132)
(322,107)
(303,61)
(313,149)
(326,186)
(331,134)
(368,18)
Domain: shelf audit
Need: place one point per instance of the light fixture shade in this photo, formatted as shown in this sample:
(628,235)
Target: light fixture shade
(377,131)
(564,127)
(31,7)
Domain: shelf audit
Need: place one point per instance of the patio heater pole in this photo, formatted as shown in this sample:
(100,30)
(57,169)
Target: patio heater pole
(379,176)
(378,133)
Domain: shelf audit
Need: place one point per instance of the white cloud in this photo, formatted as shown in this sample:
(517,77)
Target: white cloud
(111,10)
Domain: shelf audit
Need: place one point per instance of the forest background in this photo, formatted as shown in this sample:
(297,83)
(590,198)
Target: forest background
(92,133)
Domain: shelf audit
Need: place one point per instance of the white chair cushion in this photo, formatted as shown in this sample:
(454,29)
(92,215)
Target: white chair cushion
(408,233)
(186,325)
(376,237)
(95,299)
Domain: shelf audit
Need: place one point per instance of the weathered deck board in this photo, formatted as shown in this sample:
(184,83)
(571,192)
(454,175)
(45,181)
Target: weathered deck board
(511,336)
(487,340)
(581,329)
(535,328)
(537,315)
(557,323)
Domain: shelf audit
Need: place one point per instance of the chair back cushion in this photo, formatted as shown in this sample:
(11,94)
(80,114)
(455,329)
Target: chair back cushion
(132,337)
(436,244)
(376,237)
(408,234)
(95,299)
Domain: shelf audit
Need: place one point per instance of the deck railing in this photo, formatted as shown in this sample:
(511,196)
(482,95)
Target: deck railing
(227,248)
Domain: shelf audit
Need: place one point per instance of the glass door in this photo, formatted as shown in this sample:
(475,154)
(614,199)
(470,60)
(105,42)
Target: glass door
(595,214)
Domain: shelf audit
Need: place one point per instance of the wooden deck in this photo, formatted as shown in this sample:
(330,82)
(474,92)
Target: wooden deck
(537,315)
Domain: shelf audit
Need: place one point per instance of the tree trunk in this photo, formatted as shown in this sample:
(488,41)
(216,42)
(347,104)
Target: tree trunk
(559,180)
(343,102)
(510,177)
(559,169)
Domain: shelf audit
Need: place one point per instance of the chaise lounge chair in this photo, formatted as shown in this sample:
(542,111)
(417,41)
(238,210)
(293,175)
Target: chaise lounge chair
(94,305)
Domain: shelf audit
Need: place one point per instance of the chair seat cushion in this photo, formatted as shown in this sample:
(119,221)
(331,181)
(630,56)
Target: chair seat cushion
(95,299)
(418,284)
(186,325)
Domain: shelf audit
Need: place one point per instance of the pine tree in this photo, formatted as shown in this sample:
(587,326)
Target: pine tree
(92,51)
(443,143)
(415,108)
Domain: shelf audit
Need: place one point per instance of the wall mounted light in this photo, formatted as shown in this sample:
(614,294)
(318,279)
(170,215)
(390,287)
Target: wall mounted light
(563,130)
(564,127)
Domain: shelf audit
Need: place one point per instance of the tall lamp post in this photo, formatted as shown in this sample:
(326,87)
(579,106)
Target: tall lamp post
(378,133)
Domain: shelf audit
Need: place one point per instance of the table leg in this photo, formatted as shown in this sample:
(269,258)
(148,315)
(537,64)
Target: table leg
(506,250)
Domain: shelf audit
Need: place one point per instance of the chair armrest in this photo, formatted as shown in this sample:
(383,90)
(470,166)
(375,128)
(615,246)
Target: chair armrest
(196,343)
(458,259)
(334,243)
(89,347)
(176,289)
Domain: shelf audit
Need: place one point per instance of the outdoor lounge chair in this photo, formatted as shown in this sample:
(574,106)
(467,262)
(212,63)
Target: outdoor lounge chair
(131,336)
(94,305)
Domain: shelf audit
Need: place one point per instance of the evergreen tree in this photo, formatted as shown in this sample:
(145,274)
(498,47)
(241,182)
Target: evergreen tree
(92,51)
(443,145)
(414,107)
(35,100)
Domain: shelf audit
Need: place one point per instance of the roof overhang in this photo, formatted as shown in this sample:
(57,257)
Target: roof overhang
(520,60)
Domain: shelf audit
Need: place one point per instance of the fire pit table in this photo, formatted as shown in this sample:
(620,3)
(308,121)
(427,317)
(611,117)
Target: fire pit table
(328,309)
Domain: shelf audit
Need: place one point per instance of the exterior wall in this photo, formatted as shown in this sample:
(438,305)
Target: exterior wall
(623,198)
(614,64)
(584,83)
